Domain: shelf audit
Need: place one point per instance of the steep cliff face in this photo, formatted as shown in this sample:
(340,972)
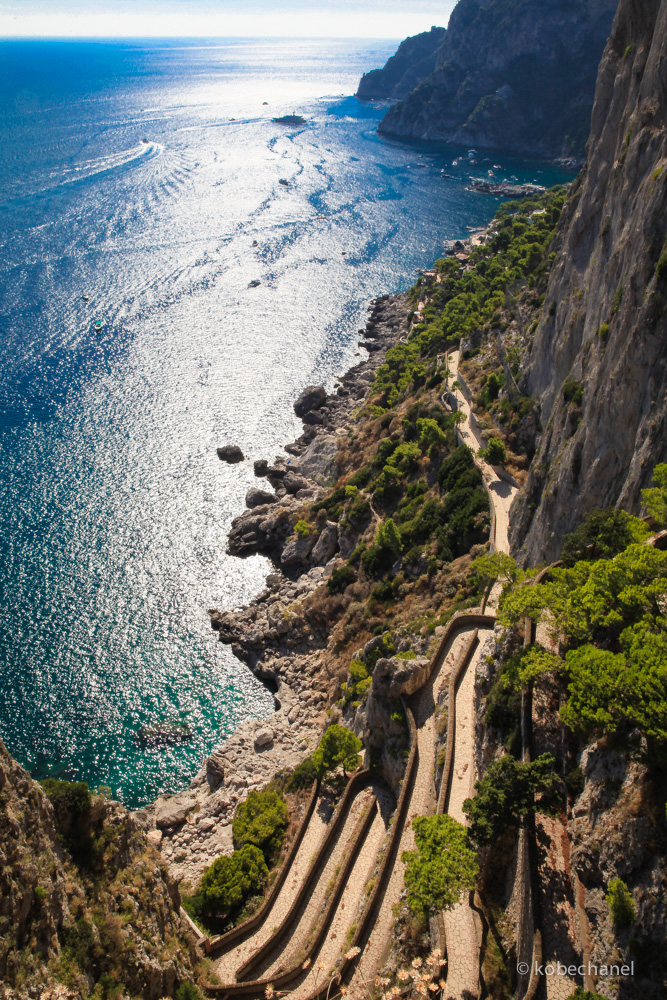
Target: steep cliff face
(413,62)
(105,912)
(516,76)
(599,358)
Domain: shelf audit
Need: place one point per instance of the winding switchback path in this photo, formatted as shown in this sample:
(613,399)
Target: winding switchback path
(421,801)
(300,913)
(229,962)
(462,933)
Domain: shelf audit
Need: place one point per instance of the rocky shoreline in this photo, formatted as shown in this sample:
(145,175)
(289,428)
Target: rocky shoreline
(193,827)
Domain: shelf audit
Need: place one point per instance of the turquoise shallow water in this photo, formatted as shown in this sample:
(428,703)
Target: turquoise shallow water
(113,505)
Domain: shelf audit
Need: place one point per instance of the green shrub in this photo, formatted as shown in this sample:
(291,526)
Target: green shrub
(507,794)
(338,747)
(603,332)
(303,775)
(618,295)
(495,453)
(661,268)
(359,510)
(383,591)
(621,904)
(384,648)
(261,821)
(71,802)
(39,893)
(388,537)
(603,533)
(340,579)
(574,779)
(573,392)
(493,386)
(231,880)
(359,682)
(302,528)
(334,503)
(430,434)
(186,991)
(442,868)
(655,499)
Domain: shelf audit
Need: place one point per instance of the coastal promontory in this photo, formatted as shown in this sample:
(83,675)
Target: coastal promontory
(518,77)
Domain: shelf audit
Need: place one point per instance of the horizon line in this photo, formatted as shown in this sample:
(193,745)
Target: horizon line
(200,38)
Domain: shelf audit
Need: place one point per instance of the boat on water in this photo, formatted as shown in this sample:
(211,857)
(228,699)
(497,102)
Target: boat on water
(289,120)
(254,283)
(86,298)
(283,182)
(98,324)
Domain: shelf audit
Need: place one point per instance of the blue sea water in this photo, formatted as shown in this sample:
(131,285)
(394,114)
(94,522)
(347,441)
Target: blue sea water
(140,175)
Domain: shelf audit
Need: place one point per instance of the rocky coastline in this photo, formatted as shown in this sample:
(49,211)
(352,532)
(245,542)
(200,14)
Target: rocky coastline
(193,827)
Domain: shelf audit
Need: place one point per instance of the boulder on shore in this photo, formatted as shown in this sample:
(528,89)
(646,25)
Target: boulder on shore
(312,397)
(263,736)
(172,811)
(260,466)
(256,497)
(230,453)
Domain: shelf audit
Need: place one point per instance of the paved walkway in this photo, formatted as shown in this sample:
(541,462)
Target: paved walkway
(286,955)
(460,922)
(347,911)
(461,931)
(226,966)
(422,801)
(502,492)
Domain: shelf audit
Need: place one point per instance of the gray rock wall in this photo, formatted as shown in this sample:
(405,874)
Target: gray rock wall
(604,323)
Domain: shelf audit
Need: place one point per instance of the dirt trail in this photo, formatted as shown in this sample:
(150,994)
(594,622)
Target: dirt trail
(226,966)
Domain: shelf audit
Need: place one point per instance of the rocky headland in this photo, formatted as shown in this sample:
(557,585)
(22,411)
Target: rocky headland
(515,77)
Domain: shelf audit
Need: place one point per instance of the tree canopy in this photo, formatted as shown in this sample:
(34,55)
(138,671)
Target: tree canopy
(609,617)
(338,746)
(509,792)
(442,868)
(261,821)
(655,499)
(602,534)
(233,879)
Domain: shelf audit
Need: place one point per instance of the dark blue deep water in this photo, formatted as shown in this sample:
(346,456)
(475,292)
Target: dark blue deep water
(139,175)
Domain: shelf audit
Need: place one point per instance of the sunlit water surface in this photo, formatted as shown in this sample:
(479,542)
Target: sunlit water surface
(140,176)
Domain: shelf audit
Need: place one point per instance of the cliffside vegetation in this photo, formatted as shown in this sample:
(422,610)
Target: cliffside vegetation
(87,901)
